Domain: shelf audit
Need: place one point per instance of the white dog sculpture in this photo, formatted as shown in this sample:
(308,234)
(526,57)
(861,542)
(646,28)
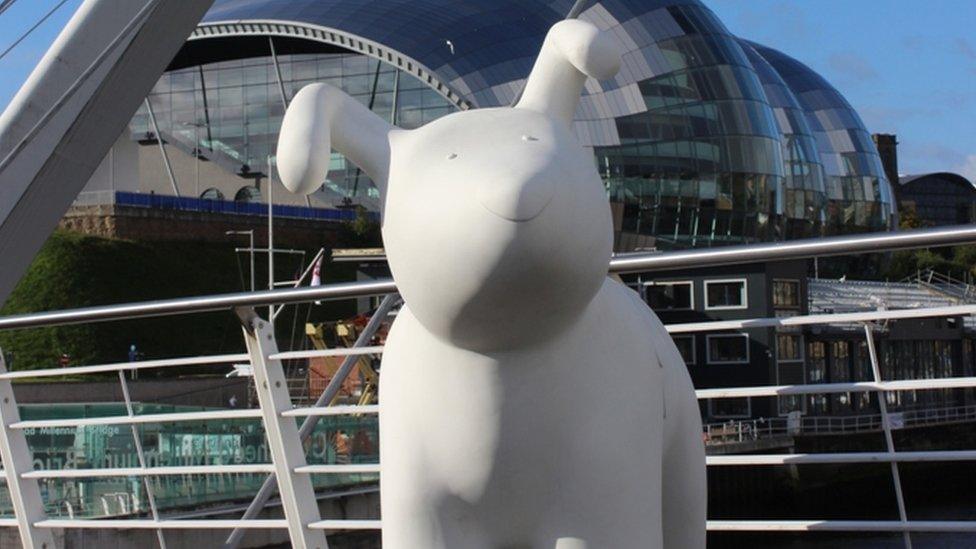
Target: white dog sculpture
(529,401)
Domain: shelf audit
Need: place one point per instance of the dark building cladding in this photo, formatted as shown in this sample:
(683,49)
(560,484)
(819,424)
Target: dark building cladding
(937,198)
(702,139)
(796,355)
(887,145)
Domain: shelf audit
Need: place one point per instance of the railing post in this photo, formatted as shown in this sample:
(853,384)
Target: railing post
(308,426)
(287,453)
(137,442)
(889,440)
(25,494)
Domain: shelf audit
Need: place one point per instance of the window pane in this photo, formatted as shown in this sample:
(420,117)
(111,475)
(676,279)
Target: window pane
(664,296)
(730,348)
(726,294)
(686,346)
(786,293)
(788,347)
(731,407)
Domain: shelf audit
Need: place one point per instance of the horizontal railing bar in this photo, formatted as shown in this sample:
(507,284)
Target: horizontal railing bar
(248,413)
(664,261)
(840,526)
(347,351)
(123,366)
(352,524)
(339,469)
(200,304)
(850,457)
(340,410)
(831,388)
(795,249)
(8,522)
(833,318)
(146,524)
(241,468)
(348,524)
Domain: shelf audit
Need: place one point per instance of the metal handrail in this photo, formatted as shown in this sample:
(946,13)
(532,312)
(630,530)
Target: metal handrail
(624,264)
(630,263)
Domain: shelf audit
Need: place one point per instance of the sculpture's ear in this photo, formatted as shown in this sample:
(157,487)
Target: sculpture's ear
(573,51)
(321,117)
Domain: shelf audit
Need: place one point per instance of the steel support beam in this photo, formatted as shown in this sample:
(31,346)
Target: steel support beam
(73,107)
(665,261)
(287,453)
(162,147)
(882,397)
(143,465)
(17,459)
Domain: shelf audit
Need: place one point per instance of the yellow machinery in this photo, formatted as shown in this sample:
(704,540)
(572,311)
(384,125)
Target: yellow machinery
(345,333)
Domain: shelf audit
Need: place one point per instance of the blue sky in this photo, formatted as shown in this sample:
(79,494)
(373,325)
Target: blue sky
(907,66)
(17,65)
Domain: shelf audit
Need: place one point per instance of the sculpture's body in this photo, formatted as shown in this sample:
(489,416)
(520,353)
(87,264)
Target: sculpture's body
(528,400)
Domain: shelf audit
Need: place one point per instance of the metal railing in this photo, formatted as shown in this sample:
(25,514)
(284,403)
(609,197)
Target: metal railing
(745,430)
(946,285)
(288,465)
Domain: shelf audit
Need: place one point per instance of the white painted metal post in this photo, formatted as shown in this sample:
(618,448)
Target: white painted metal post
(889,441)
(271,285)
(24,493)
(296,490)
(137,441)
(308,426)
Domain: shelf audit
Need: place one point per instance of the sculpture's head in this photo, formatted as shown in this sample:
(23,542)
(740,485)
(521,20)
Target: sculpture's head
(495,221)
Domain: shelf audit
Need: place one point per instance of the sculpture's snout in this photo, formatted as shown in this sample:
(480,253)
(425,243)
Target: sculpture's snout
(516,196)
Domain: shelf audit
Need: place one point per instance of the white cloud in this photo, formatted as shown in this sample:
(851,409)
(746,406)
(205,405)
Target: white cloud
(968,168)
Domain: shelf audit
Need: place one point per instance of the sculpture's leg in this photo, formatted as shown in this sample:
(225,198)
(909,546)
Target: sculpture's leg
(414,518)
(684,480)
(403,530)
(570,543)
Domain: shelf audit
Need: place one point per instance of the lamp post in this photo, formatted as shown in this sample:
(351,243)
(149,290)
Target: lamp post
(250,233)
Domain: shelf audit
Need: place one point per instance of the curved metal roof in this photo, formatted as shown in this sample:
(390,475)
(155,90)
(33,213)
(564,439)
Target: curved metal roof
(479,49)
(947,176)
(477,53)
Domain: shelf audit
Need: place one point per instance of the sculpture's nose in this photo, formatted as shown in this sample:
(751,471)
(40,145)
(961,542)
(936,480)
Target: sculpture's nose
(516,196)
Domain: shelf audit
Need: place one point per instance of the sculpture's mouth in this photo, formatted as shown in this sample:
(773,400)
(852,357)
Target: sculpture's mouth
(516,199)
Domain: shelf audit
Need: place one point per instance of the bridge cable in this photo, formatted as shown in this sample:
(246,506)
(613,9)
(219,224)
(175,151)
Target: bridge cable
(17,42)
(5,5)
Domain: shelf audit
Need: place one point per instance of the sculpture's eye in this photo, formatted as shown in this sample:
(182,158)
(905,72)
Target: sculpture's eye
(529,138)
(452,156)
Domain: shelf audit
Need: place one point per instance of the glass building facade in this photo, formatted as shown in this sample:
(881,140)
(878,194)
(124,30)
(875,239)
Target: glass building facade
(703,139)
(804,198)
(859,195)
(230,111)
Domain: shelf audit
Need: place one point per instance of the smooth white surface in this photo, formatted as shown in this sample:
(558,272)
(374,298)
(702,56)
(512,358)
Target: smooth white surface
(285,445)
(15,453)
(523,391)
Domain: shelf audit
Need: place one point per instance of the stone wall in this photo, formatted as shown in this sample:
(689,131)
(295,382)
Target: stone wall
(151,224)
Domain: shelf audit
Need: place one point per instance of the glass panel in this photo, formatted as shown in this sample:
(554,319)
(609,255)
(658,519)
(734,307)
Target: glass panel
(725,294)
(731,407)
(669,296)
(789,347)
(728,348)
(686,346)
(786,293)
